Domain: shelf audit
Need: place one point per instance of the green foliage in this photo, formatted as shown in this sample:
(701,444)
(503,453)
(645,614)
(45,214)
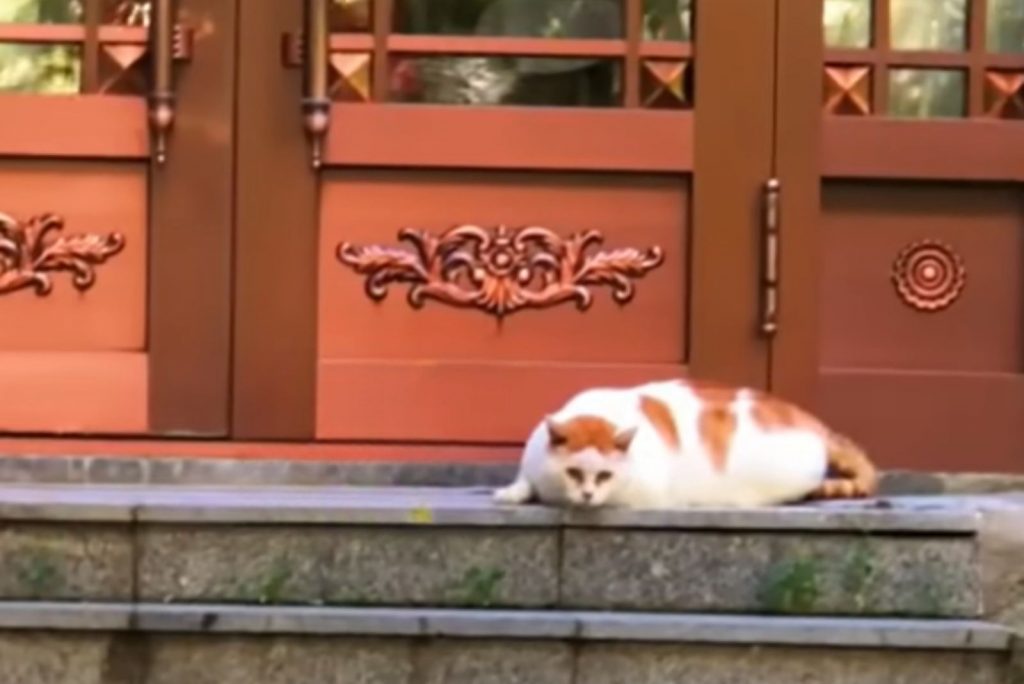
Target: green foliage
(790,587)
(479,587)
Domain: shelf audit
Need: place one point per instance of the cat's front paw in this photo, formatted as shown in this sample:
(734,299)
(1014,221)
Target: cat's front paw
(519,492)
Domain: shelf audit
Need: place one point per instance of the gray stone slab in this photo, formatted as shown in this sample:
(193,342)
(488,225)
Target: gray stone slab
(877,633)
(457,507)
(282,660)
(1001,560)
(770,573)
(665,664)
(46,615)
(70,562)
(521,662)
(351,565)
(98,658)
(737,630)
(48,658)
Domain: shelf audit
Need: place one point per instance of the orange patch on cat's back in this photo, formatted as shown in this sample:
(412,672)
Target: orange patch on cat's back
(771,413)
(660,417)
(588,432)
(716,426)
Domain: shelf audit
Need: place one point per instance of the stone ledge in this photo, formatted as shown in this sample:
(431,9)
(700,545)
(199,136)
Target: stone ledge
(958,635)
(458,507)
(161,468)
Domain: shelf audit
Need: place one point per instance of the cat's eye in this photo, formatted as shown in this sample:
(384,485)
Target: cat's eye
(575,473)
(603,477)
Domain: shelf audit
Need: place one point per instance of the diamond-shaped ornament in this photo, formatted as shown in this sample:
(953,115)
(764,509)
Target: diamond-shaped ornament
(848,90)
(1004,94)
(350,76)
(663,84)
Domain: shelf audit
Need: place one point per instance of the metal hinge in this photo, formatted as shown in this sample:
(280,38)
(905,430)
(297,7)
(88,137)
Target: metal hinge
(770,254)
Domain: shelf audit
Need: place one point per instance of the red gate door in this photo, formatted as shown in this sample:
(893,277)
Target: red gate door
(922,234)
(114,236)
(484,206)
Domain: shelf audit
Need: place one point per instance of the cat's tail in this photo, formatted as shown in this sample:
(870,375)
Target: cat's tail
(851,474)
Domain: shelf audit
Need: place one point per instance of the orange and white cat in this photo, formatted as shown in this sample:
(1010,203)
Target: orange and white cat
(681,443)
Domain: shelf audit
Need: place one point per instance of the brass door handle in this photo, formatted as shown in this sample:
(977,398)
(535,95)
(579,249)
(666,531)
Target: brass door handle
(770,256)
(314,48)
(169,42)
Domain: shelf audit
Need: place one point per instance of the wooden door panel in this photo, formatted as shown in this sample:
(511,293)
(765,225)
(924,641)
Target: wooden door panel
(665,160)
(389,370)
(914,329)
(456,401)
(935,389)
(866,322)
(93,126)
(99,201)
(70,392)
(930,420)
(642,213)
(121,326)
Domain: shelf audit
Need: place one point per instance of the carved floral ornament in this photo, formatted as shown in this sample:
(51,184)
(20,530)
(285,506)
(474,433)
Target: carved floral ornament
(500,271)
(929,275)
(32,251)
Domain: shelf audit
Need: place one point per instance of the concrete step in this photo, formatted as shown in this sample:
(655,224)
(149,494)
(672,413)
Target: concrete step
(47,643)
(452,547)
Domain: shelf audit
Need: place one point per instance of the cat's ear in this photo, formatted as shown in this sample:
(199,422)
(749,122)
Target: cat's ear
(556,432)
(624,438)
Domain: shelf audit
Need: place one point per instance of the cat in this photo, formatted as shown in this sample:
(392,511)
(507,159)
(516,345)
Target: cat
(682,443)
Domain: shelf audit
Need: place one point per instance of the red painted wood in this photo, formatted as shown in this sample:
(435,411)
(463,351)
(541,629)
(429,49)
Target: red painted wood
(258,451)
(510,138)
(628,210)
(962,150)
(73,392)
(866,324)
(448,401)
(69,33)
(930,420)
(95,126)
(93,198)
(485,45)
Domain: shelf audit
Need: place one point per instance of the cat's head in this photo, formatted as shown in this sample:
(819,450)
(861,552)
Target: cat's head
(590,455)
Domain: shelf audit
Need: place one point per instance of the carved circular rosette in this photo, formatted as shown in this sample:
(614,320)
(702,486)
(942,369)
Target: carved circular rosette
(929,275)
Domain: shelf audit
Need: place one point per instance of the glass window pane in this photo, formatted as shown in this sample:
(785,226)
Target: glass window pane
(533,18)
(927,93)
(530,81)
(40,11)
(668,20)
(1006,26)
(847,23)
(128,12)
(47,69)
(928,24)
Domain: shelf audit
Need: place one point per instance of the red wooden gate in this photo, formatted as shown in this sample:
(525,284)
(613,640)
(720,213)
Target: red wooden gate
(414,224)
(114,236)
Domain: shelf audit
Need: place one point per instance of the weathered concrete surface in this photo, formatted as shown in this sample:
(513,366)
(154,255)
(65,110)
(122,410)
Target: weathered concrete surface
(663,664)
(184,470)
(421,546)
(350,565)
(40,561)
(54,658)
(547,625)
(769,572)
(49,658)
(423,506)
(1001,559)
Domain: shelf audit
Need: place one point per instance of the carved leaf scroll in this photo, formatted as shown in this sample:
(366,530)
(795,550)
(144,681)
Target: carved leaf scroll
(32,251)
(500,271)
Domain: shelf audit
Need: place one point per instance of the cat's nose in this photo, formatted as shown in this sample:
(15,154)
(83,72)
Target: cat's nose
(587,496)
